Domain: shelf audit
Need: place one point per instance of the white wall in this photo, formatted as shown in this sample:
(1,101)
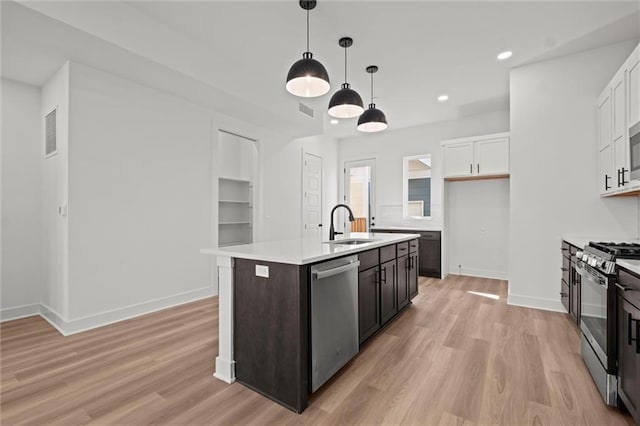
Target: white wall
(554,188)
(478,227)
(22,144)
(139,195)
(55,175)
(389,148)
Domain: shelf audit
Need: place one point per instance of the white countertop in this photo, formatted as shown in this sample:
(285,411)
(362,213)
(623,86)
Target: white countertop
(632,265)
(305,251)
(580,241)
(408,228)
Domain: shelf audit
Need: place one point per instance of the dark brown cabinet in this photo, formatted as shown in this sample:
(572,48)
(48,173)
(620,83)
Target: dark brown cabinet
(387,281)
(368,302)
(388,289)
(629,342)
(403,281)
(429,246)
(570,284)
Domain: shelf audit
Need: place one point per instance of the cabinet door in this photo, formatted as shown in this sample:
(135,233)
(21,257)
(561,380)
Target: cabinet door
(492,157)
(604,119)
(620,130)
(633,88)
(607,179)
(413,275)
(429,251)
(565,296)
(403,281)
(368,303)
(628,357)
(388,288)
(458,159)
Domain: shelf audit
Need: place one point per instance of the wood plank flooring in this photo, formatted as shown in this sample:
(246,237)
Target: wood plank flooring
(453,357)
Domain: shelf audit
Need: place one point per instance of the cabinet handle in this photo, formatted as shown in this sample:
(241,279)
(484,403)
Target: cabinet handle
(606,182)
(471,168)
(383,279)
(622,172)
(630,337)
(563,294)
(618,171)
(478,168)
(622,287)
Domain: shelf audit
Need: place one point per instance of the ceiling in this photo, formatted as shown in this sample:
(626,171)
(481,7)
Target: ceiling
(241,51)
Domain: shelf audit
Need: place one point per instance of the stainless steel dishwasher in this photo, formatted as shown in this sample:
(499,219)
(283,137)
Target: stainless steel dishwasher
(334,317)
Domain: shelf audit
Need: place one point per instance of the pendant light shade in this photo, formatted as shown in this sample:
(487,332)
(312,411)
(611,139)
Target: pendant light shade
(372,120)
(346,102)
(307,77)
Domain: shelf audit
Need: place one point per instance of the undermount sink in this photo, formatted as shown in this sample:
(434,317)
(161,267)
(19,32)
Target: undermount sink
(352,241)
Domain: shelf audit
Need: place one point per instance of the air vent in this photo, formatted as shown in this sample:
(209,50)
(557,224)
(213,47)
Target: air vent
(305,109)
(50,134)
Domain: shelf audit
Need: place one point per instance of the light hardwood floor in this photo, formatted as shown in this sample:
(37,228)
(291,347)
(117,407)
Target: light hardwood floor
(454,357)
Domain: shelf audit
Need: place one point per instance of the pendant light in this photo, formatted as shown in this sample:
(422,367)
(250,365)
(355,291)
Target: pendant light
(372,120)
(307,77)
(346,102)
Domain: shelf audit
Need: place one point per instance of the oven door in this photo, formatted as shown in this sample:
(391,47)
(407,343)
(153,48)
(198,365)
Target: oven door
(593,307)
(634,142)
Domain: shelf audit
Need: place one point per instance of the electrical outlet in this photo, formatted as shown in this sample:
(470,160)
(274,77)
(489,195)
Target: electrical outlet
(262,271)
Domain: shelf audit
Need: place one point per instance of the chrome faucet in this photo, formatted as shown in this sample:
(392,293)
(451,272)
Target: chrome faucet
(332,231)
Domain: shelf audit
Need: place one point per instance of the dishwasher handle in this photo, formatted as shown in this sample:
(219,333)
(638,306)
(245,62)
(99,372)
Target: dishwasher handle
(318,275)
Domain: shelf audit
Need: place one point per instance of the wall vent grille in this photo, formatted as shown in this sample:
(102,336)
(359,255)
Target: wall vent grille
(305,109)
(50,145)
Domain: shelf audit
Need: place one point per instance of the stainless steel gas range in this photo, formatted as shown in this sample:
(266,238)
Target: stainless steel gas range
(597,268)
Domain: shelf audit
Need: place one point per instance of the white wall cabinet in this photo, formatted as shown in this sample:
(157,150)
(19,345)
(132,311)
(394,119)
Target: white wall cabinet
(618,109)
(476,157)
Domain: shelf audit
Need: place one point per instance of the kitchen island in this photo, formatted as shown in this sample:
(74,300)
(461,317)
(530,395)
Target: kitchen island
(265,322)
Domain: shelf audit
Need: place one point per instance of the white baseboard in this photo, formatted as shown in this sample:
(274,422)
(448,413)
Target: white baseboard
(482,273)
(77,325)
(535,303)
(17,312)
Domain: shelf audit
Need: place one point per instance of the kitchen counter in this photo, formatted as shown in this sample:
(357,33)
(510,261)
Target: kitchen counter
(581,241)
(631,265)
(306,251)
(408,228)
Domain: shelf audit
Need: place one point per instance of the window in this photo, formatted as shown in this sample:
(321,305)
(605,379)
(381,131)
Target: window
(417,186)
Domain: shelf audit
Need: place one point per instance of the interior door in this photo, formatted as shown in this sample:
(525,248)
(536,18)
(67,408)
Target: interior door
(359,179)
(312,196)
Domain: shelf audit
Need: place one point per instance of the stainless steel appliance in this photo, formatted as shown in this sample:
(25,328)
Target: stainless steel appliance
(634,152)
(596,266)
(334,317)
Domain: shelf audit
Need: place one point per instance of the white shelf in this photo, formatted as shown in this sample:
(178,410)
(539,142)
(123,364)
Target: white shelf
(248,182)
(234,223)
(234,202)
(238,243)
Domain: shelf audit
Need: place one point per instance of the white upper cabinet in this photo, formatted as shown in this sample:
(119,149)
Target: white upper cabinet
(458,159)
(492,156)
(633,88)
(476,157)
(618,109)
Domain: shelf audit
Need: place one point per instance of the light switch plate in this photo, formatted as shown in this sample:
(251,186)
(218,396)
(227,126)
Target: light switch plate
(262,271)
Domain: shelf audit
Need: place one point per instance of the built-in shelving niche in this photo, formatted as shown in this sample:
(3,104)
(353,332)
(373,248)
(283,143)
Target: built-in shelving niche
(236,165)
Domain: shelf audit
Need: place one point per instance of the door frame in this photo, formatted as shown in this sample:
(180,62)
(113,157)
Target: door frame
(371,162)
(302,224)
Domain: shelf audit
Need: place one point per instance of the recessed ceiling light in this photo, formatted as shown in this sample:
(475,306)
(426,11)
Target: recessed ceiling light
(505,55)
(443,98)
(334,121)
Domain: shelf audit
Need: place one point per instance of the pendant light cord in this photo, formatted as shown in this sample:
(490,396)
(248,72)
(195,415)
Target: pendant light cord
(345,64)
(307,30)
(371,87)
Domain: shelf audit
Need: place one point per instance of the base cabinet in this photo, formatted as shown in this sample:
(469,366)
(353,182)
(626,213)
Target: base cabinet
(629,342)
(570,283)
(387,281)
(368,303)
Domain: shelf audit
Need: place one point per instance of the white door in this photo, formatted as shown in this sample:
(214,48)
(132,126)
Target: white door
(458,159)
(633,88)
(359,190)
(312,196)
(619,130)
(606,180)
(492,156)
